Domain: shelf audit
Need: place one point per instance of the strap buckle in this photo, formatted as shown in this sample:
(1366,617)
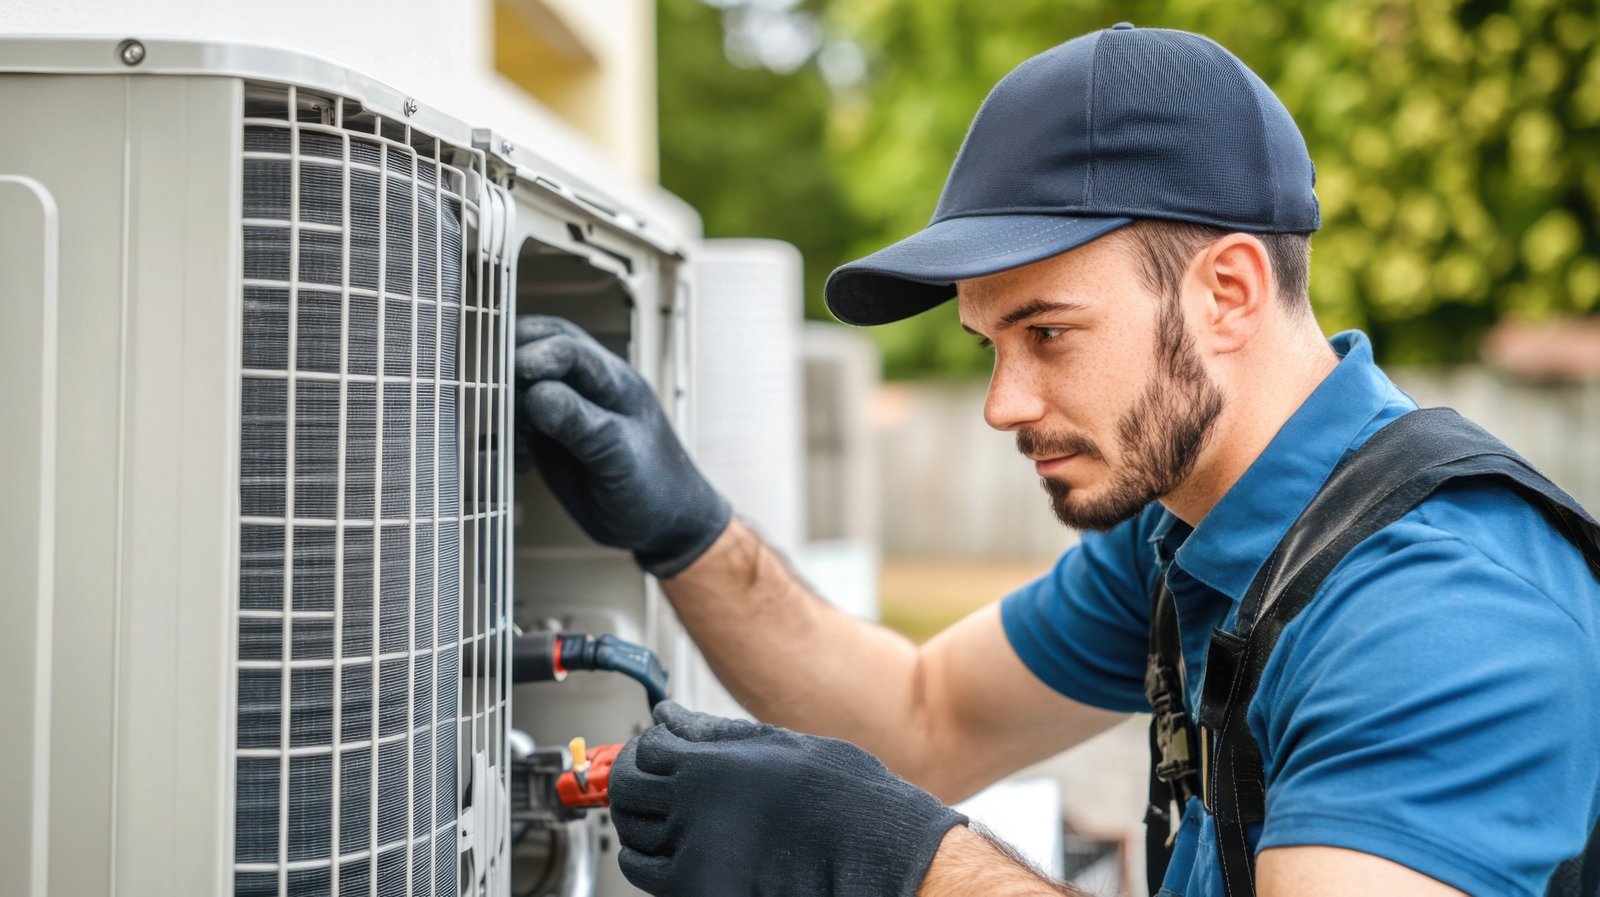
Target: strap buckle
(1172,738)
(1173,731)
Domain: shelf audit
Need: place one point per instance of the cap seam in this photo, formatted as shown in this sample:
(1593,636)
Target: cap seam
(1266,144)
(1039,211)
(1088,114)
(1164,214)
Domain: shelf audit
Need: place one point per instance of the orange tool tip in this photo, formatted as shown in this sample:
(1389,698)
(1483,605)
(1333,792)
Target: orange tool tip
(587,786)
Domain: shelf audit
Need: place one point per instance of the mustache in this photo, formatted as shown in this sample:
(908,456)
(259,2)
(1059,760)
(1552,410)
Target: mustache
(1037,442)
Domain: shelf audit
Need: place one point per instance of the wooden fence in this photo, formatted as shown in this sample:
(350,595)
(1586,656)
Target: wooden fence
(950,487)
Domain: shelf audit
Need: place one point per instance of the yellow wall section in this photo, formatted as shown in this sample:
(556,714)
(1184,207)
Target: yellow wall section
(591,63)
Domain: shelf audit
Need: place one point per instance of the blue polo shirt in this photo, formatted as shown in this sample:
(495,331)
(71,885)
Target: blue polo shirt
(1437,704)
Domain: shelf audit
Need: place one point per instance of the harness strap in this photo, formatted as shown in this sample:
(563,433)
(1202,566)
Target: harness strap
(1159,823)
(1174,766)
(1579,875)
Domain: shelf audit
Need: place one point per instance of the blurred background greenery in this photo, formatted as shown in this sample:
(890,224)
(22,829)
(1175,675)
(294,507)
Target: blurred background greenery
(1455,142)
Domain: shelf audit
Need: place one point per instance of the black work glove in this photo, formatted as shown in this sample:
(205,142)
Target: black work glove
(595,431)
(712,807)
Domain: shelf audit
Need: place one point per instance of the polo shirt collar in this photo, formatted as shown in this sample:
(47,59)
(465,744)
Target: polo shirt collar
(1229,546)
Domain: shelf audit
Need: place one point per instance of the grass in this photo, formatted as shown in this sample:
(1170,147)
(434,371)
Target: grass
(919,597)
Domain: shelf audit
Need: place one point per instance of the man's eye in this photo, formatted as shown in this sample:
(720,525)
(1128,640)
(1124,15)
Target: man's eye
(1046,334)
(985,343)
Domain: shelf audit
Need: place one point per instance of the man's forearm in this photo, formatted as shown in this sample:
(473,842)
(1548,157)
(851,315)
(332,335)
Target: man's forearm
(791,658)
(969,863)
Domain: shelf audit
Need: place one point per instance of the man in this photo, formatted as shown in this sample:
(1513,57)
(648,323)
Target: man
(1128,225)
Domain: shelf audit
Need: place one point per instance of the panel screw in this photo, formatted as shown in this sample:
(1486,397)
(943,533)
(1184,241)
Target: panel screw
(506,147)
(131,52)
(410,107)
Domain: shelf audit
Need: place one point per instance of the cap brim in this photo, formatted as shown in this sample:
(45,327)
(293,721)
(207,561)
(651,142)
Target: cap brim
(919,272)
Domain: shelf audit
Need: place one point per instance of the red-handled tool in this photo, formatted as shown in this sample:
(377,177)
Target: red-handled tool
(585,784)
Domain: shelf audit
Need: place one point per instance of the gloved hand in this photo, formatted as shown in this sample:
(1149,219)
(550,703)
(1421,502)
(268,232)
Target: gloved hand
(712,807)
(595,431)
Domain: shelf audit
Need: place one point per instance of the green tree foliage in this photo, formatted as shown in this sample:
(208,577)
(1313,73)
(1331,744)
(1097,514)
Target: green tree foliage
(1457,145)
(747,145)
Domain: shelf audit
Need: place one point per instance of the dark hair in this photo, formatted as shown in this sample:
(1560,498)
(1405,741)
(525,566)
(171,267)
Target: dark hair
(1166,247)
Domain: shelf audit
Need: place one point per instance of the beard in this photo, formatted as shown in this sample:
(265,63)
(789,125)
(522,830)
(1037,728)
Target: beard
(1159,438)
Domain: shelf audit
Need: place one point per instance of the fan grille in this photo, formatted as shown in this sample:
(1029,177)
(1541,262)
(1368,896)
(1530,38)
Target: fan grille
(373,504)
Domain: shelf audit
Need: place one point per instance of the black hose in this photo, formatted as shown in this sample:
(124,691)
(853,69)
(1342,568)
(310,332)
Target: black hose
(545,656)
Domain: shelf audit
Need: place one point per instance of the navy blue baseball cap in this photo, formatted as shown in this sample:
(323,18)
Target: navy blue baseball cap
(1116,125)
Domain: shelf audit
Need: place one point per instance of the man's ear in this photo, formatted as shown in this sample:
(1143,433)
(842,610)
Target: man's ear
(1234,276)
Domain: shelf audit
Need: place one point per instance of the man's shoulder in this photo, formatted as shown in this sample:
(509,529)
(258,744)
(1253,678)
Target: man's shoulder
(1473,572)
(1478,538)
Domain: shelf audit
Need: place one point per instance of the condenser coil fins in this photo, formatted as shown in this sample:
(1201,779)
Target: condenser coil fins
(373,501)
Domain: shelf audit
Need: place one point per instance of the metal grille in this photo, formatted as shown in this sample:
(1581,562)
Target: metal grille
(374,506)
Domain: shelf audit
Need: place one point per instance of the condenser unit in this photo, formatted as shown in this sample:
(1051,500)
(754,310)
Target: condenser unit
(265,516)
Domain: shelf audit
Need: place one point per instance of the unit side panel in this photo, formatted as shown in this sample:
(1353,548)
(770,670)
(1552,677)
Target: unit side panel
(68,134)
(175,675)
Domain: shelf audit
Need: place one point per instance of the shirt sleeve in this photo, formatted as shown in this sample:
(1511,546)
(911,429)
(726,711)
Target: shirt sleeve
(1434,708)
(1082,628)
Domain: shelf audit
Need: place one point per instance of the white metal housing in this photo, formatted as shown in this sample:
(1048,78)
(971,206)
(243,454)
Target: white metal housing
(259,346)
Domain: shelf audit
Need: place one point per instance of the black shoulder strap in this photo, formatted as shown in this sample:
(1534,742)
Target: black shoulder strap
(1395,470)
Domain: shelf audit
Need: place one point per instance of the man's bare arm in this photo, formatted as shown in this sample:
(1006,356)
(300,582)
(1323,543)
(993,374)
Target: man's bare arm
(952,716)
(969,864)
(1314,871)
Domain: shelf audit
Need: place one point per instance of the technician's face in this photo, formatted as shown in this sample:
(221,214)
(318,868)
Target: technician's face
(1097,376)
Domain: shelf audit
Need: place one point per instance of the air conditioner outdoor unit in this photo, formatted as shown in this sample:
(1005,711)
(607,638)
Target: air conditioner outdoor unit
(261,313)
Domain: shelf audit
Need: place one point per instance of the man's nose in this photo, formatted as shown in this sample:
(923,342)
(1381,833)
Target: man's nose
(1013,401)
